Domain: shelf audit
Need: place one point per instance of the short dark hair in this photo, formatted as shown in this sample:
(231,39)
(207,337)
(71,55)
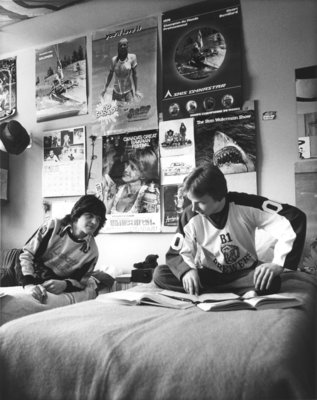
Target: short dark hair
(91,204)
(206,179)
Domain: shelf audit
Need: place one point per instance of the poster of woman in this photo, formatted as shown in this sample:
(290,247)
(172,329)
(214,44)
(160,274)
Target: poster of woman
(130,182)
(124,77)
(61,82)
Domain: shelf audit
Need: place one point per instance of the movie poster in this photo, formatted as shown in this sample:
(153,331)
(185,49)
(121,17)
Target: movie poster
(124,62)
(64,162)
(174,203)
(201,52)
(227,140)
(130,182)
(7,88)
(61,80)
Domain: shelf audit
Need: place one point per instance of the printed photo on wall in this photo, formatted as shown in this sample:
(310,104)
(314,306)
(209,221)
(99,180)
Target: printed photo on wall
(130,182)
(124,62)
(306,103)
(61,80)
(63,172)
(176,137)
(227,140)
(174,203)
(201,52)
(7,88)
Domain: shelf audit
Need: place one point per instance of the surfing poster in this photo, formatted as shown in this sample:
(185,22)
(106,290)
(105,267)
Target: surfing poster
(7,88)
(201,54)
(130,182)
(124,65)
(64,162)
(61,80)
(227,140)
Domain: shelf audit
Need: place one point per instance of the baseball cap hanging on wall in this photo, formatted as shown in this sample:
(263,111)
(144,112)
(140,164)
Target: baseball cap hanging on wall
(14,137)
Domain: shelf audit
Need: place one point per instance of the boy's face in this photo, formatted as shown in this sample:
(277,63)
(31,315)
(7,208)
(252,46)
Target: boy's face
(206,205)
(87,224)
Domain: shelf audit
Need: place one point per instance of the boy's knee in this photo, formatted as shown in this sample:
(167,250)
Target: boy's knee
(158,274)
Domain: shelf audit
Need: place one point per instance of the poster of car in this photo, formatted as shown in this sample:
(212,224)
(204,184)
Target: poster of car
(7,88)
(227,140)
(201,52)
(175,169)
(124,62)
(61,80)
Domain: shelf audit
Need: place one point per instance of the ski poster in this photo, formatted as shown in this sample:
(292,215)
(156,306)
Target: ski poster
(61,80)
(130,182)
(201,54)
(227,140)
(64,162)
(124,62)
(7,88)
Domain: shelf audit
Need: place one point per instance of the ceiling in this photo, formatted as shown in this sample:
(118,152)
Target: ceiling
(15,11)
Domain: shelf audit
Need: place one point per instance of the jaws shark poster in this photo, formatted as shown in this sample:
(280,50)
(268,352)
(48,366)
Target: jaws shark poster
(201,52)
(227,140)
(61,83)
(124,62)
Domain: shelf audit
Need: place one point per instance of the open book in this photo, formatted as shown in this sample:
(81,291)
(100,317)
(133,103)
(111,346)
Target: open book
(130,298)
(231,301)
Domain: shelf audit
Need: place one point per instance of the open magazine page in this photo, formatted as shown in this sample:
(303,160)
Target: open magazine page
(126,297)
(250,301)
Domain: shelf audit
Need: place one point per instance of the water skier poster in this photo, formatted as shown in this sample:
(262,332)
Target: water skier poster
(61,80)
(201,52)
(64,162)
(130,182)
(7,88)
(227,140)
(124,62)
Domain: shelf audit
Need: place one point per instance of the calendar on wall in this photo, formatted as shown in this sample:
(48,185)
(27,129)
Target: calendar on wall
(63,172)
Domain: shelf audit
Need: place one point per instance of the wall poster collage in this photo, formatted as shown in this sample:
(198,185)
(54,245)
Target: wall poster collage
(136,160)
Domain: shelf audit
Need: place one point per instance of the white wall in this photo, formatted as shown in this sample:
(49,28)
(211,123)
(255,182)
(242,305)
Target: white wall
(279,36)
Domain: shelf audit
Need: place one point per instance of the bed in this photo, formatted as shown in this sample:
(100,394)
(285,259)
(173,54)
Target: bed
(93,350)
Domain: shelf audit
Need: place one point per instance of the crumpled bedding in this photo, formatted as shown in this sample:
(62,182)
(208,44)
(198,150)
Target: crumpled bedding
(93,351)
(15,302)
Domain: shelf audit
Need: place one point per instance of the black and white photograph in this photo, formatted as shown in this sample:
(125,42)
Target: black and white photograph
(201,59)
(61,80)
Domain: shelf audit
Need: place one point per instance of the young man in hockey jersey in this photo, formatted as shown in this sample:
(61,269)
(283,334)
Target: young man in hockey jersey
(214,247)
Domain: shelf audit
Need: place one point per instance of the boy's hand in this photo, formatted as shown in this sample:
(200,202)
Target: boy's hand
(191,282)
(55,286)
(37,291)
(264,275)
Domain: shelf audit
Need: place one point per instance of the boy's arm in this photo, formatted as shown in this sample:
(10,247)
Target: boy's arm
(37,243)
(79,279)
(181,254)
(288,225)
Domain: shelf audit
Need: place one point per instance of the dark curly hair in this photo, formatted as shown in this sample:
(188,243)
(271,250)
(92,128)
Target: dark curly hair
(91,204)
